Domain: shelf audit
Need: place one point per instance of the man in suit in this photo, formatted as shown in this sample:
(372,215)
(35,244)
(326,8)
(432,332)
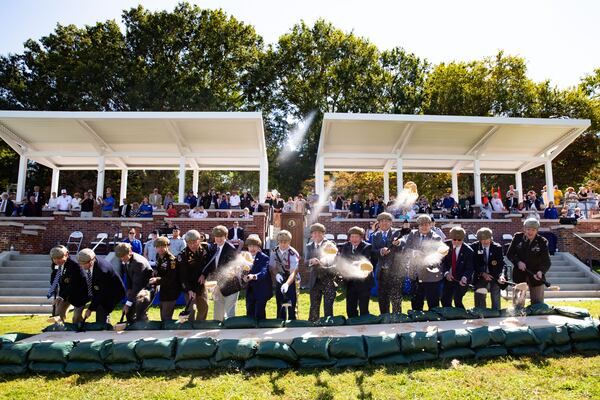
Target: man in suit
(283,264)
(104,285)
(457,267)
(260,286)
(358,289)
(489,267)
(7,207)
(255,206)
(125,209)
(190,263)
(321,282)
(236,235)
(384,249)
(356,207)
(246,199)
(529,254)
(221,254)
(67,285)
(40,200)
(138,273)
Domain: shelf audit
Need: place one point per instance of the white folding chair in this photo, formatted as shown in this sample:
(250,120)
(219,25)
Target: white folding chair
(329,236)
(342,237)
(101,240)
(507,237)
(74,242)
(472,238)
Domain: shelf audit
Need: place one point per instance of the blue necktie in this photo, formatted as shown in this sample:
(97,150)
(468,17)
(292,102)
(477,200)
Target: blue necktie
(54,285)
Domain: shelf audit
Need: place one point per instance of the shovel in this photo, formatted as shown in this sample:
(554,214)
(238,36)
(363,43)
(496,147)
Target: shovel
(81,325)
(120,327)
(185,314)
(544,281)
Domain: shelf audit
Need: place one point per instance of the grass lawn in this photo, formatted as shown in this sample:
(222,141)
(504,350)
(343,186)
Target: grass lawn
(571,377)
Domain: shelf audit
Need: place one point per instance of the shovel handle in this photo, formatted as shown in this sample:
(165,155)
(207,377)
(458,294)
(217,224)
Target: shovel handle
(544,281)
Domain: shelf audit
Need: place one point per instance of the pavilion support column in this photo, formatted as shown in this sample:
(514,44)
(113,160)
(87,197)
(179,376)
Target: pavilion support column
(181,192)
(123,191)
(386,186)
(455,185)
(549,180)
(519,186)
(320,178)
(477,181)
(21,178)
(195,181)
(100,180)
(263,180)
(54,182)
(399,176)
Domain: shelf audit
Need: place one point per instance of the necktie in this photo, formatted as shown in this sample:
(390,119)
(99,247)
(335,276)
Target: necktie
(54,285)
(485,251)
(454,263)
(385,236)
(353,250)
(88,278)
(3,205)
(218,256)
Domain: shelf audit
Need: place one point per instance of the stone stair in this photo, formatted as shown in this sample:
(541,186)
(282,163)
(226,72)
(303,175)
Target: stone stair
(575,279)
(24,282)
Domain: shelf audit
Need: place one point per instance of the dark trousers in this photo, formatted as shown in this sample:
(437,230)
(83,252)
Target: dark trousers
(357,300)
(256,308)
(389,291)
(322,289)
(453,291)
(422,291)
(102,315)
(166,310)
(138,311)
(290,297)
(493,288)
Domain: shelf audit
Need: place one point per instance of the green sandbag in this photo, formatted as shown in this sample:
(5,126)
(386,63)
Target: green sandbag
(395,318)
(195,348)
(50,352)
(47,367)
(583,331)
(235,349)
(97,326)
(123,367)
(463,352)
(312,347)
(539,309)
(497,335)
(557,350)
(392,359)
(14,353)
(207,325)
(177,326)
(266,363)
(424,316)
(572,312)
(273,349)
(337,320)
(271,323)
(84,366)
(155,348)
(193,364)
(347,347)
(239,323)
(380,346)
(521,336)
(144,326)
(422,356)
(308,362)
(351,362)
(454,338)
(13,337)
(66,327)
(552,335)
(120,352)
(12,369)
(519,351)
(89,351)
(157,364)
(226,364)
(452,313)
(479,312)
(298,323)
(491,352)
(416,342)
(368,319)
(480,337)
(590,345)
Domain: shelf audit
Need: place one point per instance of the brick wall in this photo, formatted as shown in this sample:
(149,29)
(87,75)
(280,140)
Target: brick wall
(23,238)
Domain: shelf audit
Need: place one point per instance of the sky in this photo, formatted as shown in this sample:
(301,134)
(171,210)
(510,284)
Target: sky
(559,39)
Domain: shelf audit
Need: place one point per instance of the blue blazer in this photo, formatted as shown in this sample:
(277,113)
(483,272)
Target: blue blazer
(107,286)
(262,287)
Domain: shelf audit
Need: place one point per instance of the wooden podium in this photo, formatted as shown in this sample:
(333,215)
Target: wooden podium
(294,222)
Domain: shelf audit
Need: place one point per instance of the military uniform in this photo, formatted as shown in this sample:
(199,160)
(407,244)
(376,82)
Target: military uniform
(70,288)
(190,266)
(284,263)
(170,285)
(321,282)
(389,277)
(536,257)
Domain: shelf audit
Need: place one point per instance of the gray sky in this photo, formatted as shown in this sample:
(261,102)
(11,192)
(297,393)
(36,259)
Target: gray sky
(559,39)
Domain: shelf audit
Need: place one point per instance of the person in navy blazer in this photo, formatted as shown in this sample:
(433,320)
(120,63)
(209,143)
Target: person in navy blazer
(458,272)
(489,268)
(260,286)
(106,286)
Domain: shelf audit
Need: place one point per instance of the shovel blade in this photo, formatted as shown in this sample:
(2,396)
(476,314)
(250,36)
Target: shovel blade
(120,327)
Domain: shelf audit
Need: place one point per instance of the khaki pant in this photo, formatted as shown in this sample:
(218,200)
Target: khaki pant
(224,305)
(166,310)
(536,294)
(201,302)
(62,307)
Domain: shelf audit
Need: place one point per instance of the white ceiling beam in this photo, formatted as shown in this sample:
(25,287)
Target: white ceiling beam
(559,144)
(100,144)
(400,144)
(13,140)
(358,155)
(480,146)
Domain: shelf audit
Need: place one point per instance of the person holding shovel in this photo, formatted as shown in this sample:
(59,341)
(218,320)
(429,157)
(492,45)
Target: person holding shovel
(260,287)
(283,264)
(138,273)
(489,267)
(167,277)
(68,285)
(190,264)
(457,268)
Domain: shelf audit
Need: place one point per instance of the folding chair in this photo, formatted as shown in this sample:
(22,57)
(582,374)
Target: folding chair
(506,240)
(472,238)
(329,236)
(74,241)
(342,237)
(101,240)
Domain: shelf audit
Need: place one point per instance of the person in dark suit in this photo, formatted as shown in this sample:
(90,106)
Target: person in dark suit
(529,254)
(138,273)
(489,268)
(67,285)
(358,290)
(190,263)
(457,267)
(246,199)
(236,235)
(104,285)
(260,286)
(7,206)
(383,249)
(125,209)
(255,206)
(40,200)
(322,277)
(221,253)
(356,207)
(30,208)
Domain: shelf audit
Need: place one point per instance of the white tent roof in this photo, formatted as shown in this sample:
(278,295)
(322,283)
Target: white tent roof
(433,143)
(137,140)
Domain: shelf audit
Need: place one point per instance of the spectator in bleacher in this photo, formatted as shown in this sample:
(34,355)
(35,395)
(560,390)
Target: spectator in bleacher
(235,200)
(471,198)
(7,206)
(87,206)
(136,244)
(512,199)
(155,199)
(168,199)
(551,212)
(533,202)
(246,214)
(40,199)
(63,203)
(108,203)
(135,209)
(558,195)
(486,211)
(246,199)
(76,202)
(288,206)
(205,200)
(405,230)
(448,202)
(331,204)
(52,201)
(455,211)
(277,203)
(255,206)
(171,211)
(145,209)
(177,244)
(236,235)
(437,230)
(577,214)
(373,228)
(300,205)
(224,204)
(497,203)
(339,202)
(198,213)
(571,198)
(436,204)
(29,209)
(356,207)
(150,249)
(190,199)
(467,211)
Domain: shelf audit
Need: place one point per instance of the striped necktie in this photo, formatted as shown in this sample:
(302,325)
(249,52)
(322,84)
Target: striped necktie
(88,278)
(54,285)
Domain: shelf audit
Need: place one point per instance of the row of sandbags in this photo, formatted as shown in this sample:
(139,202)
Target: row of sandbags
(436,314)
(355,351)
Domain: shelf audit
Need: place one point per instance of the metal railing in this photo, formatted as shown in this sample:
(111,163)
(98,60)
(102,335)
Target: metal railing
(590,247)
